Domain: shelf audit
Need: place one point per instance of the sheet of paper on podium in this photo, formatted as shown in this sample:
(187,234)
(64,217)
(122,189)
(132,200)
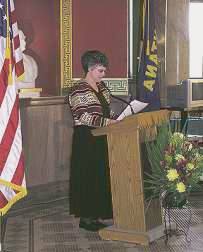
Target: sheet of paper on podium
(135,105)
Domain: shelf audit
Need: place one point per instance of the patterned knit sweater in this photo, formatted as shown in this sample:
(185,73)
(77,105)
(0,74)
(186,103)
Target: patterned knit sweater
(85,105)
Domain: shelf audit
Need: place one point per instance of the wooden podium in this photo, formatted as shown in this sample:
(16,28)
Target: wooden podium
(134,220)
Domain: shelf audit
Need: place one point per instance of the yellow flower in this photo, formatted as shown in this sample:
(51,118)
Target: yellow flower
(172,175)
(179,157)
(180,187)
(178,135)
(177,139)
(190,166)
(168,158)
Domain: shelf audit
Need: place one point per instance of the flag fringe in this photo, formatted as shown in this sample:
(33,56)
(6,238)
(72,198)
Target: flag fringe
(21,77)
(22,192)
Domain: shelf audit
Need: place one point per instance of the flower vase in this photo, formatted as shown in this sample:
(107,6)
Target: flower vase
(171,200)
(177,214)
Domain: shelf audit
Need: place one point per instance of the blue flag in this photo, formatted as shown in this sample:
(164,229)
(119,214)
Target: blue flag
(148,82)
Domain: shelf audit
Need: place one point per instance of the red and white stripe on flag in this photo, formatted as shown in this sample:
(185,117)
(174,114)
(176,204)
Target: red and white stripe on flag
(12,175)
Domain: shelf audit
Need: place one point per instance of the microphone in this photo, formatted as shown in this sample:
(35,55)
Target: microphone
(120,99)
(124,101)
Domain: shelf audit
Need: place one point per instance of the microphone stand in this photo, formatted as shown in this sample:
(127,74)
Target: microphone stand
(120,99)
(124,101)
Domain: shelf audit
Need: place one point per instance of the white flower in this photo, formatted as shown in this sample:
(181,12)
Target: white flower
(190,147)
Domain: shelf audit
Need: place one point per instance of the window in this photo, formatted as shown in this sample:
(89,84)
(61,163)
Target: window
(196,39)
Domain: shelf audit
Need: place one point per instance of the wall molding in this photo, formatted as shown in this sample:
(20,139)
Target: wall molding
(118,86)
(65,43)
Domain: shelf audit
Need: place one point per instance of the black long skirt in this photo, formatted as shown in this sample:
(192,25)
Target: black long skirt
(90,194)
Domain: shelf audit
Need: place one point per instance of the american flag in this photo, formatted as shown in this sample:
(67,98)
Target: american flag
(12,176)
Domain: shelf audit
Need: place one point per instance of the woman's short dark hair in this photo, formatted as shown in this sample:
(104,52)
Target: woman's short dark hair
(92,58)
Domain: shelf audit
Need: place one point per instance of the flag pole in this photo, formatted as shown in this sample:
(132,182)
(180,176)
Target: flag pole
(8,45)
(3,220)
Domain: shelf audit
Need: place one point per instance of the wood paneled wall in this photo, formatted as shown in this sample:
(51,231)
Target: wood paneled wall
(47,140)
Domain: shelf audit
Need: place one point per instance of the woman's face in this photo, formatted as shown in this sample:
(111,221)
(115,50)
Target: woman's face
(97,72)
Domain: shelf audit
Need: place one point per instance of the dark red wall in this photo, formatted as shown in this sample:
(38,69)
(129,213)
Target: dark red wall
(97,24)
(39,20)
(101,25)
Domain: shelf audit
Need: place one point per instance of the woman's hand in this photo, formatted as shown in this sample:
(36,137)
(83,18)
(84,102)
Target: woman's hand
(111,121)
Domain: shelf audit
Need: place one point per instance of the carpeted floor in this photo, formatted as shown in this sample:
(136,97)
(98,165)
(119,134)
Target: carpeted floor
(49,228)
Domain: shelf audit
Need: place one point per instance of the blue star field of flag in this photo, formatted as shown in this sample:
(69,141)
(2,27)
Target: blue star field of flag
(3,19)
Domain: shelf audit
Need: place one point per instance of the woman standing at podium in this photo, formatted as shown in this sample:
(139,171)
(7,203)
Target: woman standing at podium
(89,99)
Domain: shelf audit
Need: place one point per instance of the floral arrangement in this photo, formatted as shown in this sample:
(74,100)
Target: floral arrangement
(176,164)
